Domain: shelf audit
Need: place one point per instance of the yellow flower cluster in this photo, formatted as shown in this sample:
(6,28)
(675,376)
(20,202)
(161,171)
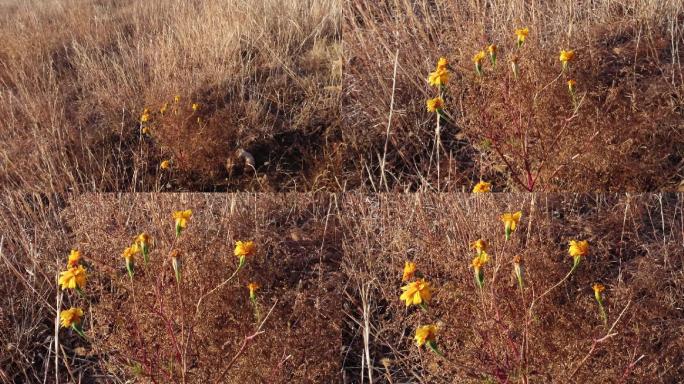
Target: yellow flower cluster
(481,258)
(75,278)
(418,293)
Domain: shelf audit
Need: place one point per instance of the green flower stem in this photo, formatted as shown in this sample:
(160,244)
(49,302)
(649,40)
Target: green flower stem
(433,347)
(575,263)
(176,269)
(257,316)
(602,310)
(81,293)
(129,268)
(145,252)
(518,275)
(78,330)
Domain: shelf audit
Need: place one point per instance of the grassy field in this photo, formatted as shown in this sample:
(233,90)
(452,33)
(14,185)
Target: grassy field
(284,103)
(552,330)
(77,76)
(151,328)
(621,129)
(156,136)
(330,271)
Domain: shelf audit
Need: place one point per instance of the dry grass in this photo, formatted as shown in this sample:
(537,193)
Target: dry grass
(75,77)
(135,329)
(627,134)
(635,252)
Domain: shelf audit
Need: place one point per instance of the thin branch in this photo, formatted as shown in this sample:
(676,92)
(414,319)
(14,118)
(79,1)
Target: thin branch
(389,122)
(608,335)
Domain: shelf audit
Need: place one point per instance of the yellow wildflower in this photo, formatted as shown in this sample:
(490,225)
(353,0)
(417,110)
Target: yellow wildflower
(479,245)
(521,35)
(439,77)
(130,252)
(577,250)
(163,108)
(566,56)
(571,85)
(176,99)
(242,250)
(598,288)
(477,264)
(510,221)
(425,334)
(409,271)
(129,255)
(442,63)
(145,117)
(145,130)
(165,165)
(416,293)
(482,187)
(70,316)
(491,49)
(252,286)
(477,59)
(435,105)
(74,257)
(195,106)
(73,278)
(181,218)
(143,242)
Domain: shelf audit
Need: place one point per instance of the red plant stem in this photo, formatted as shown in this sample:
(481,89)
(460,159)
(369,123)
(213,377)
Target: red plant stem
(514,174)
(141,341)
(553,144)
(169,325)
(246,340)
(629,370)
